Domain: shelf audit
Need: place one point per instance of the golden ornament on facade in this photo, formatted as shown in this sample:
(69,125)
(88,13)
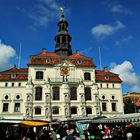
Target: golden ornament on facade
(64,71)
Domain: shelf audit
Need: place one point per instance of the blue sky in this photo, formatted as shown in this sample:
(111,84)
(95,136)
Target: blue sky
(113,26)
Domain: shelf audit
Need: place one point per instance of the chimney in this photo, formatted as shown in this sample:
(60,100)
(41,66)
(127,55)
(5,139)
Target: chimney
(105,69)
(77,52)
(43,50)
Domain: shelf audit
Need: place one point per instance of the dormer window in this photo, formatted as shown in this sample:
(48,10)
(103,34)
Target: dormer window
(106,77)
(13,76)
(48,60)
(79,61)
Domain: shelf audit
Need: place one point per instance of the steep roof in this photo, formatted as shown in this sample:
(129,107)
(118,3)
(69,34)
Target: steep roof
(14,74)
(106,76)
(45,58)
(7,77)
(14,69)
(77,55)
(47,54)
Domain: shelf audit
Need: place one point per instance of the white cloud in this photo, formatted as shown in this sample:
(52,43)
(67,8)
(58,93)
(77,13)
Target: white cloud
(127,74)
(42,12)
(118,8)
(6,53)
(103,30)
(123,41)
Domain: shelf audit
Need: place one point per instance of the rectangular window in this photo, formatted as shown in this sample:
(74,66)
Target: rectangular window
(12,84)
(107,85)
(17,107)
(113,106)
(87,93)
(113,86)
(87,76)
(5,107)
(19,84)
(73,93)
(6,84)
(104,107)
(38,93)
(101,86)
(56,93)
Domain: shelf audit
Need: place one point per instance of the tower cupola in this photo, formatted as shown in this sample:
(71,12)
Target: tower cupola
(62,38)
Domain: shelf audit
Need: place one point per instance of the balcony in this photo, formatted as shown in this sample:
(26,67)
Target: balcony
(61,80)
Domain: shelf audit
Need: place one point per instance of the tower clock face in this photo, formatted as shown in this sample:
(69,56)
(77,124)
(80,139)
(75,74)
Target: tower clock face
(64,71)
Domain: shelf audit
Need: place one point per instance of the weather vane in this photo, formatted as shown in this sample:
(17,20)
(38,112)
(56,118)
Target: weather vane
(62,10)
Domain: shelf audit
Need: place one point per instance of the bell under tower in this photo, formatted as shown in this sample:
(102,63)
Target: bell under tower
(62,38)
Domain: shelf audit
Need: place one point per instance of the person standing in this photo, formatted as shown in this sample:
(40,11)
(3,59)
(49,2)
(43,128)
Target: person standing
(129,135)
(107,132)
(53,134)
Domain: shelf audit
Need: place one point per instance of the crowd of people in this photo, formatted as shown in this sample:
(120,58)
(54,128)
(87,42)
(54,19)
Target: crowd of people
(70,132)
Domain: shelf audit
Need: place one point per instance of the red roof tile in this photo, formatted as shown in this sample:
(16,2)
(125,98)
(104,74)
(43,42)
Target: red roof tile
(7,77)
(41,59)
(21,74)
(106,76)
(47,54)
(15,70)
(77,55)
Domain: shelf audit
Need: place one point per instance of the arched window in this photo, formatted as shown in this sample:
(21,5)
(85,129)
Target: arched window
(38,93)
(87,93)
(55,110)
(58,39)
(39,75)
(88,110)
(55,93)
(37,110)
(73,110)
(73,93)
(87,76)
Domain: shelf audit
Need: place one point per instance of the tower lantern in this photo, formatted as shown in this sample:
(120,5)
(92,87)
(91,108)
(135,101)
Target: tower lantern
(62,38)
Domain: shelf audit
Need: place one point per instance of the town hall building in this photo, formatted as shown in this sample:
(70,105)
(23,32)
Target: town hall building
(59,85)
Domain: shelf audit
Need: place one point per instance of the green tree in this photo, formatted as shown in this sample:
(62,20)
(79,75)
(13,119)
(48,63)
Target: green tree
(129,106)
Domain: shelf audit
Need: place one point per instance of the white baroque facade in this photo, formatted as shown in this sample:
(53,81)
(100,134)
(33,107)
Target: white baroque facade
(59,85)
